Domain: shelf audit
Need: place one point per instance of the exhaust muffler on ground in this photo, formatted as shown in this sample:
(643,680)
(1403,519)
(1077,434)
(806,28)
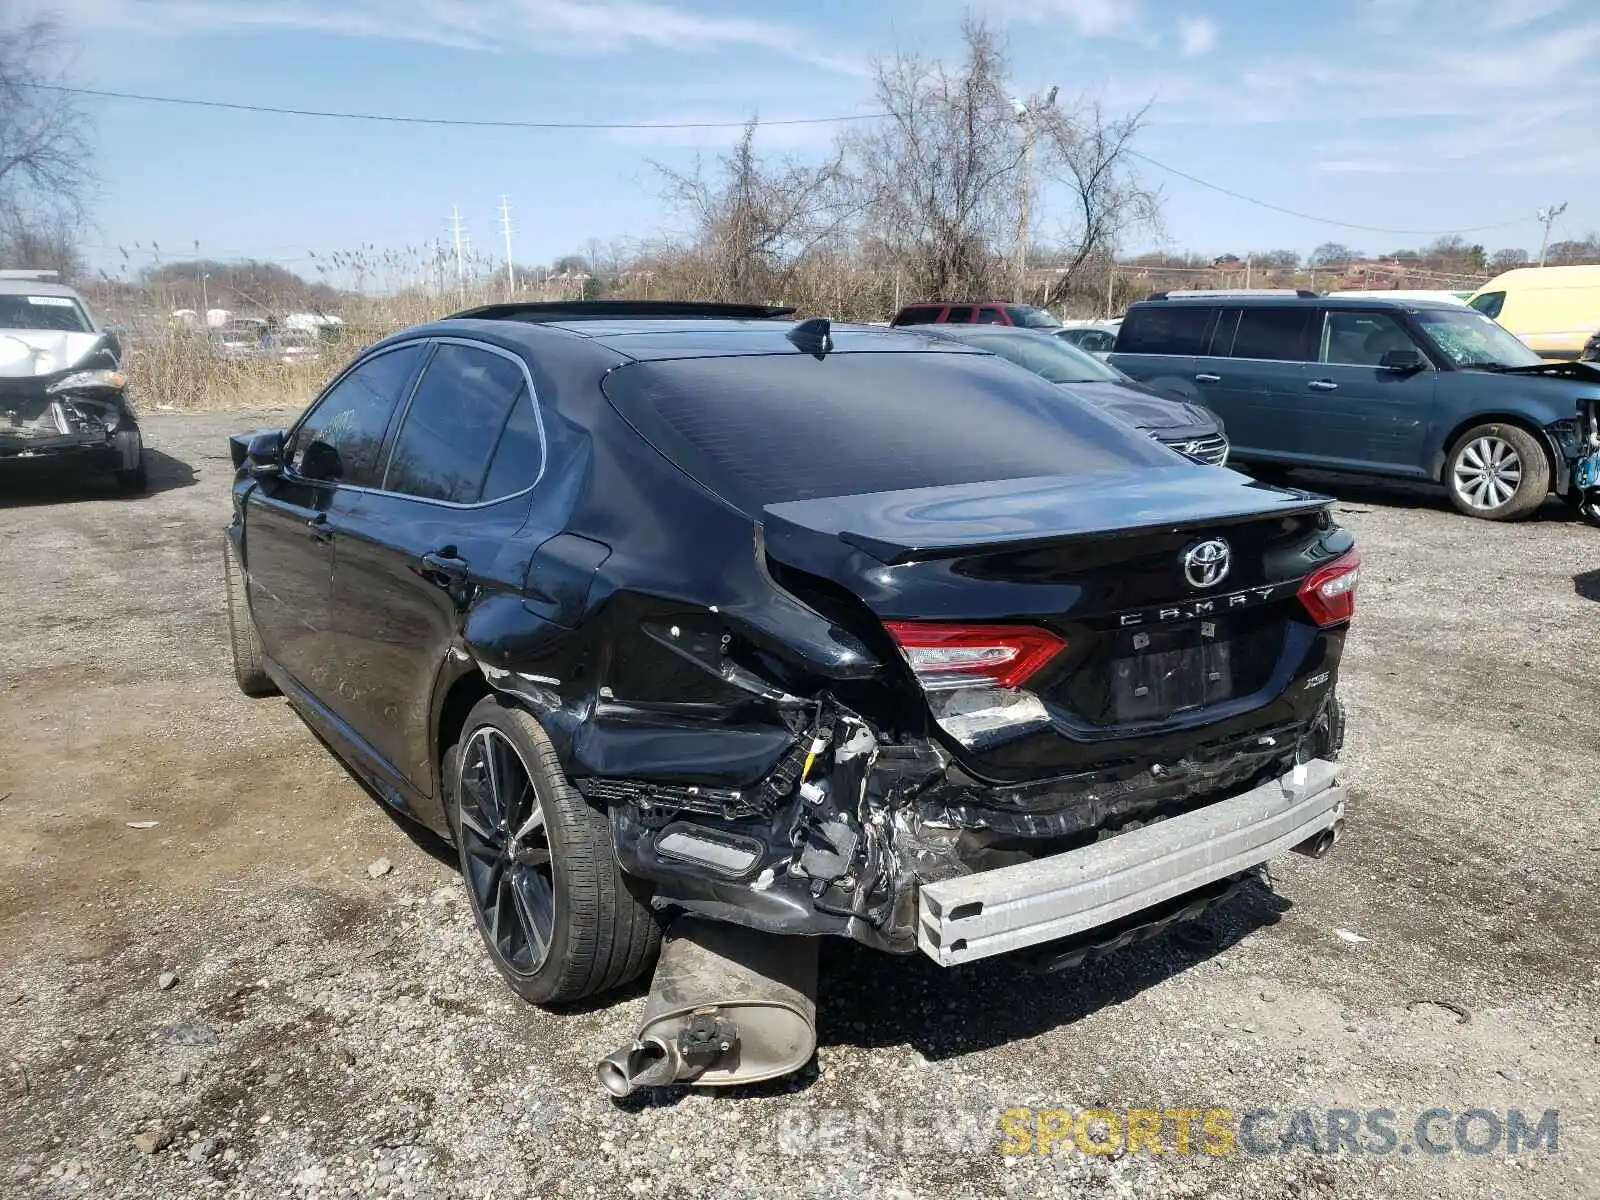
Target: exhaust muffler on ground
(728,1005)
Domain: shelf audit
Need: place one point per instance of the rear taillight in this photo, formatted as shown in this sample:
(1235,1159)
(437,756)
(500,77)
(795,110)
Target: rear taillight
(956,656)
(1329,592)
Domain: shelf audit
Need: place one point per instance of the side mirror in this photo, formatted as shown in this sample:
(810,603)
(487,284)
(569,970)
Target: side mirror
(1404,361)
(264,457)
(113,344)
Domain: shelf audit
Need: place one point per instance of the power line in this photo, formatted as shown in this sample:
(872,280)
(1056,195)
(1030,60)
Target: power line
(457,122)
(1278,208)
(477,123)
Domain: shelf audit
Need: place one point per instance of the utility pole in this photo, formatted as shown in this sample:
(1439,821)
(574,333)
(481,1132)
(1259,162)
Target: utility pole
(461,270)
(1111,284)
(1248,259)
(505,228)
(1547,218)
(1027,114)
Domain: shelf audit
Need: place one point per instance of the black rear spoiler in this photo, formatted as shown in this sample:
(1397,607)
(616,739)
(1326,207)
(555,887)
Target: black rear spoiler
(1019,514)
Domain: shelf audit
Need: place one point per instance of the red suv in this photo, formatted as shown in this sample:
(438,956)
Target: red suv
(975,312)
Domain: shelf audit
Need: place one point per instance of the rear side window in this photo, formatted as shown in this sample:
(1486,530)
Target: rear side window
(1490,303)
(519,458)
(1165,329)
(762,430)
(960,314)
(1282,334)
(453,425)
(918,316)
(989,316)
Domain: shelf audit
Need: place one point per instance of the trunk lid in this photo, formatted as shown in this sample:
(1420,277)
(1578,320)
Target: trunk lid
(1103,560)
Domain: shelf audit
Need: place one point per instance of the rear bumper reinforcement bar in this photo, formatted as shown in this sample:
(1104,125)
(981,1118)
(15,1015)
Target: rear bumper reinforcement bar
(991,912)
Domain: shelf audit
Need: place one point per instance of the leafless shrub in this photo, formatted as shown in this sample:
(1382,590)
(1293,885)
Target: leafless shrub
(46,165)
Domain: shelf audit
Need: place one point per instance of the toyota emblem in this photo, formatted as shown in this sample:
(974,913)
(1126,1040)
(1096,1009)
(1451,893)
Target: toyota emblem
(1205,564)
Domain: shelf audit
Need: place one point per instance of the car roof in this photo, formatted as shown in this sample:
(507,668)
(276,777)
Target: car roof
(35,287)
(645,339)
(1348,302)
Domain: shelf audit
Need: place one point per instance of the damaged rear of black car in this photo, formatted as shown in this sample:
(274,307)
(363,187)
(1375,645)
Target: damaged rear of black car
(804,630)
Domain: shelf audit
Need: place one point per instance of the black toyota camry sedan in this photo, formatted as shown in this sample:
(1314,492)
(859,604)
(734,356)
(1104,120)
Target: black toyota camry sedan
(668,611)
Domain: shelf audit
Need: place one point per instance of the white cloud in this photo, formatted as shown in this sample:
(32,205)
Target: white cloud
(1196,35)
(548,26)
(1087,18)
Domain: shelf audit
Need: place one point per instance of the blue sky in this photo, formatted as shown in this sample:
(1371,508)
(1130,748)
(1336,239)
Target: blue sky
(1425,115)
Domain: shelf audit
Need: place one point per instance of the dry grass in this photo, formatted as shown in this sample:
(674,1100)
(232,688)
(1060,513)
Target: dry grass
(180,370)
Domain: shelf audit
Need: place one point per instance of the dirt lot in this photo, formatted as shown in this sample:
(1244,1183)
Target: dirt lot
(331,1033)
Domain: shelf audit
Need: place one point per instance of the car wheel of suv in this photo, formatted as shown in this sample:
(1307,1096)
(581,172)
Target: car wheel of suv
(560,919)
(1497,472)
(247,657)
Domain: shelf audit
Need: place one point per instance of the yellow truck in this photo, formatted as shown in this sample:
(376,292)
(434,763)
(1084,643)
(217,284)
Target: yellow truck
(1554,310)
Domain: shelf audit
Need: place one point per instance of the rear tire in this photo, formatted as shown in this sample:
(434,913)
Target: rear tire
(1497,472)
(598,931)
(248,661)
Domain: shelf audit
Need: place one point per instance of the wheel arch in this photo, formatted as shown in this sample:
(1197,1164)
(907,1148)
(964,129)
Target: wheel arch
(455,701)
(1523,422)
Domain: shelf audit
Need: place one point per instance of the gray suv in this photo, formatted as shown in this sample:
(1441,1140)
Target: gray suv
(1415,389)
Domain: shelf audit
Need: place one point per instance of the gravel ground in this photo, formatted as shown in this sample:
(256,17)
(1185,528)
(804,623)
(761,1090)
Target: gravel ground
(204,991)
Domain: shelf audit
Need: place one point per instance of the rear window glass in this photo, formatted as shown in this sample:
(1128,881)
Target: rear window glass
(762,430)
(454,422)
(1283,334)
(1165,329)
(918,316)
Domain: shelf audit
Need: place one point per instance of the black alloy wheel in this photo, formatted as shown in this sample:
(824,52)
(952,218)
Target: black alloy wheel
(505,851)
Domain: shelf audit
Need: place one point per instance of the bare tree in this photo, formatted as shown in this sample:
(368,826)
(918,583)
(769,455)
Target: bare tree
(939,176)
(46,168)
(1087,156)
(754,223)
(1505,260)
(1333,254)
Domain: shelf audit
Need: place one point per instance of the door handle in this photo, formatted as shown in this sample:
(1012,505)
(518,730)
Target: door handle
(1323,385)
(1203,378)
(444,567)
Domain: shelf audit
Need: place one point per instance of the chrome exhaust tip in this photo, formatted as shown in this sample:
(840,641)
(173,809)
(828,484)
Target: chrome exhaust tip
(647,1063)
(1322,843)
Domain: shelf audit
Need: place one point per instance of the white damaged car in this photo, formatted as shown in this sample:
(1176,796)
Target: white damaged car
(63,393)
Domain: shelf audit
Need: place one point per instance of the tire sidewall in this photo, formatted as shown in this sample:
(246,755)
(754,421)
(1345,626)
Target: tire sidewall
(539,985)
